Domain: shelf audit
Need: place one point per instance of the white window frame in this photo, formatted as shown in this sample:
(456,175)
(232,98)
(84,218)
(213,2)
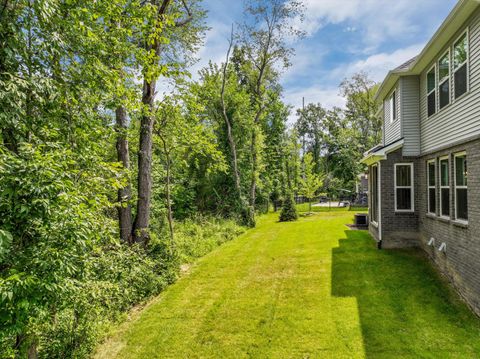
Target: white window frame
(447,78)
(467,62)
(393,109)
(434,68)
(429,187)
(455,187)
(444,187)
(411,187)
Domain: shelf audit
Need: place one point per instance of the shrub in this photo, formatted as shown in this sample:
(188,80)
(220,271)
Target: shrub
(196,237)
(289,211)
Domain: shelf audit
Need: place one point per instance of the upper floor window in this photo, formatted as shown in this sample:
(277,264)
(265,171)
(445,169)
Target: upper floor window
(444,80)
(460,65)
(431,92)
(404,187)
(461,199)
(393,107)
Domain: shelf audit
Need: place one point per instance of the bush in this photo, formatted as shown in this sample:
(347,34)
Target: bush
(196,237)
(289,211)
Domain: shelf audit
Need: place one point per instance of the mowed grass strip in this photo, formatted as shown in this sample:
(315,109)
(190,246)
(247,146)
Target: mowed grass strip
(308,289)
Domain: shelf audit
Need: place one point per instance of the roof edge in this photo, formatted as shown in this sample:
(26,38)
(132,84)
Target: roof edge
(463,9)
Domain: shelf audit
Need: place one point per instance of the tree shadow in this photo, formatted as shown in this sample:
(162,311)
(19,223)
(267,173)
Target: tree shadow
(406,310)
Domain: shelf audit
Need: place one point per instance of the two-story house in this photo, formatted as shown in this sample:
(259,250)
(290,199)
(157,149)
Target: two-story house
(425,176)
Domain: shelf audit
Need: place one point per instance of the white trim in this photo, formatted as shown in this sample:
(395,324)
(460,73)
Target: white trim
(445,79)
(434,68)
(393,106)
(429,187)
(411,188)
(455,187)
(380,155)
(444,187)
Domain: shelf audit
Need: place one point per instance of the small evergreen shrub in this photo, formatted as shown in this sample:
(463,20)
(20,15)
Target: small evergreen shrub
(289,210)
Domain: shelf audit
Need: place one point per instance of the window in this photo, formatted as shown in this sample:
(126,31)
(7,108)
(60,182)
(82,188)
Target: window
(374,194)
(431,92)
(444,80)
(444,187)
(460,65)
(404,187)
(461,200)
(393,107)
(432,187)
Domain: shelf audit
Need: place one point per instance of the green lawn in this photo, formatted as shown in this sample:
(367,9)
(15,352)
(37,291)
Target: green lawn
(309,289)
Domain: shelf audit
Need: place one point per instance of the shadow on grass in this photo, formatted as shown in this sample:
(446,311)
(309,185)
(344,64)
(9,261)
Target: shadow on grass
(406,310)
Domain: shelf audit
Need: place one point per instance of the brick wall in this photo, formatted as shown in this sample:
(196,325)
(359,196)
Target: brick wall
(399,229)
(460,263)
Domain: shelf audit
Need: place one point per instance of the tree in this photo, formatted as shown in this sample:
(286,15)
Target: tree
(160,26)
(180,137)
(311,129)
(241,202)
(311,181)
(361,110)
(289,211)
(264,41)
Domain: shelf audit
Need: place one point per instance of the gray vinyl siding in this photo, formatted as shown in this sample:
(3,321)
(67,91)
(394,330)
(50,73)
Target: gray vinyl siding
(410,114)
(392,131)
(460,120)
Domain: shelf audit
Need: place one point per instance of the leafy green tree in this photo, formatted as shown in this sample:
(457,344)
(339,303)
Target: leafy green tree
(263,39)
(237,104)
(181,139)
(311,129)
(311,181)
(361,109)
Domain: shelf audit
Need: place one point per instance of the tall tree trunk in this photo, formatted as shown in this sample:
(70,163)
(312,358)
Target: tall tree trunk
(140,227)
(9,140)
(254,152)
(124,194)
(140,232)
(231,140)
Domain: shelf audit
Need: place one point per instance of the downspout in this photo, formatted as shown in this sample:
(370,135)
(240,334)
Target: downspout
(379,188)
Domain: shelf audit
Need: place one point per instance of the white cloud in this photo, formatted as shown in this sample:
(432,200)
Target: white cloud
(376,20)
(378,65)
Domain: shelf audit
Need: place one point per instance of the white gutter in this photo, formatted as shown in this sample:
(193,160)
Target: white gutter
(381,154)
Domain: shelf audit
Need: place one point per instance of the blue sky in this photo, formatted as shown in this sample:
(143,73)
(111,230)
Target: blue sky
(343,37)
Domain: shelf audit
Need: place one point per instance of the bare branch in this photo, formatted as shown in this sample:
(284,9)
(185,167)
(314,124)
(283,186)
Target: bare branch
(189,18)
(227,119)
